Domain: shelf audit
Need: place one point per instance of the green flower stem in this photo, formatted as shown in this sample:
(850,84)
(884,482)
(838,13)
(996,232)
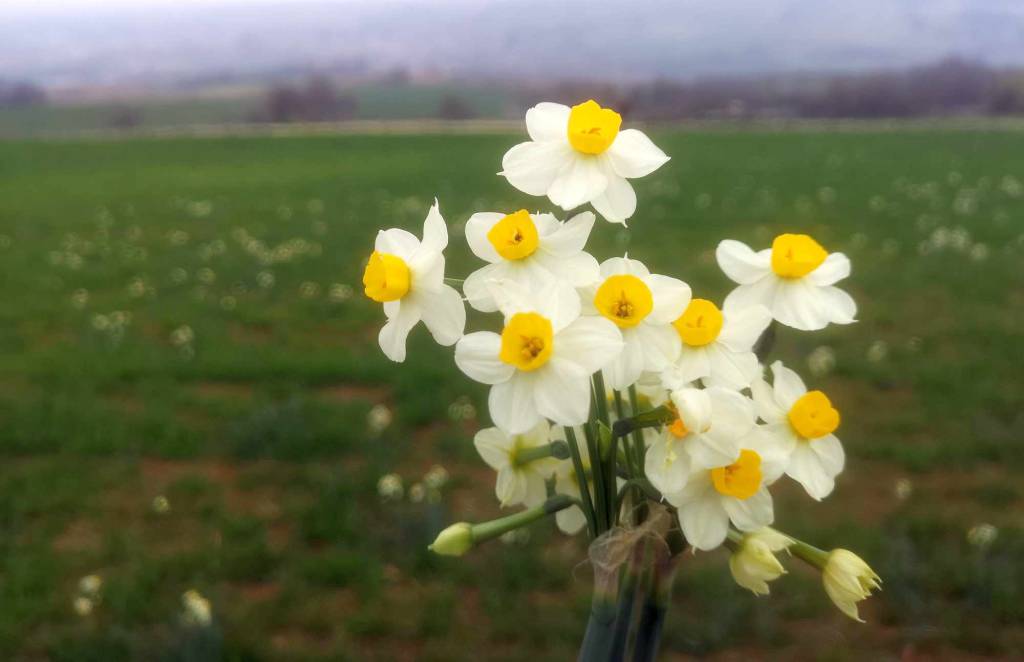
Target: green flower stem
(557,449)
(809,553)
(624,620)
(597,474)
(601,399)
(652,613)
(485,531)
(638,437)
(600,633)
(581,480)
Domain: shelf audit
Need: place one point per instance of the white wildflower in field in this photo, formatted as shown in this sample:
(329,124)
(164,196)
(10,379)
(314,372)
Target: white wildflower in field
(982,535)
(389,487)
(161,505)
(821,360)
(379,418)
(878,351)
(197,611)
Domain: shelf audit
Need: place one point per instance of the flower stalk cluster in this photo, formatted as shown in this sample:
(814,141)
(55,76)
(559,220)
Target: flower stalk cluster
(615,391)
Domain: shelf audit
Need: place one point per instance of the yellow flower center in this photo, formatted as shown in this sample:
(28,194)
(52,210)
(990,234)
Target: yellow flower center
(742,478)
(515,236)
(813,416)
(700,323)
(526,341)
(678,429)
(796,255)
(592,129)
(386,277)
(624,299)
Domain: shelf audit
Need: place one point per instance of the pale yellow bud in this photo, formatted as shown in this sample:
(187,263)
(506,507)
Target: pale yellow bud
(454,541)
(848,580)
(754,564)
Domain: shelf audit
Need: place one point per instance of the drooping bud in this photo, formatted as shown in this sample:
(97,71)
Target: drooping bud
(453,541)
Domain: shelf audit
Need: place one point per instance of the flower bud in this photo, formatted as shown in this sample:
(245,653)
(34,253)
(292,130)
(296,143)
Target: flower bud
(848,580)
(753,564)
(453,541)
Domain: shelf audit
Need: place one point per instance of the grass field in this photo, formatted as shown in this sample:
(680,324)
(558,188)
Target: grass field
(191,397)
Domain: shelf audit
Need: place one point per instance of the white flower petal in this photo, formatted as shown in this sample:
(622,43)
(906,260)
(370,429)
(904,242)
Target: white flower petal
(750,514)
(444,315)
(660,344)
(830,453)
(570,520)
(615,266)
(579,270)
(493,445)
(589,342)
(805,468)
(435,232)
(735,370)
(533,167)
(512,405)
(732,415)
(704,521)
(707,452)
(628,364)
(764,401)
(759,293)
(476,355)
(835,268)
(426,267)
(788,386)
(694,407)
(562,392)
(667,466)
(617,202)
(691,365)
(580,182)
(548,121)
(392,336)
(570,237)
(671,297)
(476,288)
(396,242)
(801,305)
(511,486)
(742,327)
(634,155)
(477,227)
(741,264)
(842,309)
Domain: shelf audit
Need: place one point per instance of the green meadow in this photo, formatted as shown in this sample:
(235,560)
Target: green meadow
(192,398)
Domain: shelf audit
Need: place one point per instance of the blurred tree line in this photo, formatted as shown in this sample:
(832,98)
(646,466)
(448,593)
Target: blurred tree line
(950,87)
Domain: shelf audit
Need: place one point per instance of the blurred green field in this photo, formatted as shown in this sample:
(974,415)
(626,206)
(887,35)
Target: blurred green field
(191,397)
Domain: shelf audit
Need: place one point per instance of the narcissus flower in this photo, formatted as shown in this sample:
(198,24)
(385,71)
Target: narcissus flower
(848,580)
(642,305)
(736,492)
(711,425)
(540,364)
(794,279)
(521,474)
(527,249)
(754,564)
(717,346)
(407,276)
(803,423)
(579,155)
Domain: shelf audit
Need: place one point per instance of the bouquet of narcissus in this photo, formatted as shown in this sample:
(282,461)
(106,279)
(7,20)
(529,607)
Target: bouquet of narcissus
(623,405)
